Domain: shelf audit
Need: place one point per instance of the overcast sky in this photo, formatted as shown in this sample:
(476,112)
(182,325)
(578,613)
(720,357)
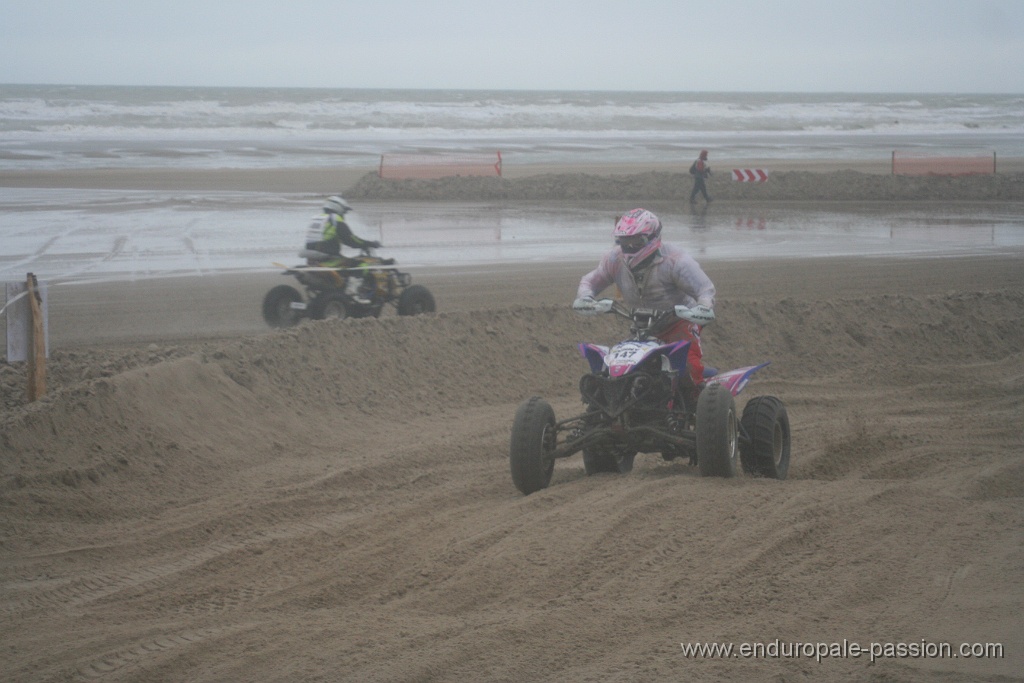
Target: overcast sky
(687,45)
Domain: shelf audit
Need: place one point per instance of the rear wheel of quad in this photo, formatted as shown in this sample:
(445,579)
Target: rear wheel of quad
(717,433)
(330,305)
(416,300)
(277,306)
(533,441)
(766,422)
(615,460)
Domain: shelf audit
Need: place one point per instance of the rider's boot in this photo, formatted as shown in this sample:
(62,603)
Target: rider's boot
(352,290)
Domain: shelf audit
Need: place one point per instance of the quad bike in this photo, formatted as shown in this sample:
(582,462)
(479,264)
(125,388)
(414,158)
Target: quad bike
(326,296)
(639,398)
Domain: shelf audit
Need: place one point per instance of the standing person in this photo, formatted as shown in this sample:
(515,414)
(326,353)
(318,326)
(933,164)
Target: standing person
(327,232)
(654,275)
(700,170)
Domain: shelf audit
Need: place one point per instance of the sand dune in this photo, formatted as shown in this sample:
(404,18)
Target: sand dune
(333,502)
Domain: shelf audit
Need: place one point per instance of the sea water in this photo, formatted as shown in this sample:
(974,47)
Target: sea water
(80,235)
(57,127)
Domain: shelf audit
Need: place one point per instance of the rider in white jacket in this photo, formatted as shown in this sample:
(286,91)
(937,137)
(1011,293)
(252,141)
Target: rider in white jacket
(654,275)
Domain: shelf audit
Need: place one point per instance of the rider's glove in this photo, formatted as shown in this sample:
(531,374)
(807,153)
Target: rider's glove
(584,303)
(700,314)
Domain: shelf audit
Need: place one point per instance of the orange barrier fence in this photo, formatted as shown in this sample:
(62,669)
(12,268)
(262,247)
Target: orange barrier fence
(403,166)
(907,163)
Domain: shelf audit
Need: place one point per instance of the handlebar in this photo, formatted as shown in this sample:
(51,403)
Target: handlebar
(702,315)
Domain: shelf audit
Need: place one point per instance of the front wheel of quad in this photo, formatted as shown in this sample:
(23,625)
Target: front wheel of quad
(615,460)
(717,433)
(277,306)
(766,423)
(329,305)
(533,440)
(416,300)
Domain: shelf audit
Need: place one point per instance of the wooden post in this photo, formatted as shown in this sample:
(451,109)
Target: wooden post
(37,350)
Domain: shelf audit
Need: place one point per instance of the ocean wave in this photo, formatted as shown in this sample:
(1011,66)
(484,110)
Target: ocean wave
(47,125)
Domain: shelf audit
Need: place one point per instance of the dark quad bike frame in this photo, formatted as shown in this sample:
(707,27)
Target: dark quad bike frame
(325,297)
(650,409)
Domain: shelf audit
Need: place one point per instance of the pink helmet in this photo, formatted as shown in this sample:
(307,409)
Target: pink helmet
(638,234)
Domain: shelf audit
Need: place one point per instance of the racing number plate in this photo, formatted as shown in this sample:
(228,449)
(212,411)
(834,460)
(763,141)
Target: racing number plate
(627,354)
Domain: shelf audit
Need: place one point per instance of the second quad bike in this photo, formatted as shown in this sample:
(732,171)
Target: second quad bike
(325,293)
(639,398)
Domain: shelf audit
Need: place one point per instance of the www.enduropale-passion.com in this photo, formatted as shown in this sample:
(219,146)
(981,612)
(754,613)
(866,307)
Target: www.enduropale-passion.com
(846,649)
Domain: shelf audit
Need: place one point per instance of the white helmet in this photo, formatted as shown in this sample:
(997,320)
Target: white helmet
(638,234)
(336,204)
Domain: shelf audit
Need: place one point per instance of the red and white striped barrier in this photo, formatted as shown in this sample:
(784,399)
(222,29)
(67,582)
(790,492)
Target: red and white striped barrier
(752,223)
(750,175)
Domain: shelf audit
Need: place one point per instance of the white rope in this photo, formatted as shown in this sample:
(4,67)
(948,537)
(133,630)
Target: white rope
(25,293)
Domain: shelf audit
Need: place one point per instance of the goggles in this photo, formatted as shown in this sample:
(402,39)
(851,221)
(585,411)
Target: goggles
(632,243)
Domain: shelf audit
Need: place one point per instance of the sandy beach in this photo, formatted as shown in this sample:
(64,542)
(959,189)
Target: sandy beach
(201,498)
(327,180)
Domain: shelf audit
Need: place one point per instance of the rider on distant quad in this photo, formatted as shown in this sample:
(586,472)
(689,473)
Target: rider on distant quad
(326,233)
(654,275)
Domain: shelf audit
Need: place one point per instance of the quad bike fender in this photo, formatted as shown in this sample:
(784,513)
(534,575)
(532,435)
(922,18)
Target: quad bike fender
(594,355)
(735,380)
(674,353)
